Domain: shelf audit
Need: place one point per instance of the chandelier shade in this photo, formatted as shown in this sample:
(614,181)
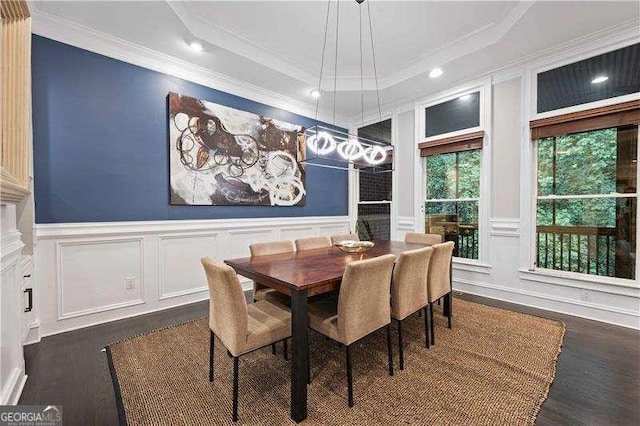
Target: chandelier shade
(333,148)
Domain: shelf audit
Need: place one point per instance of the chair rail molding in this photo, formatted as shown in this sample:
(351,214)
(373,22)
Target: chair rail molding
(92,273)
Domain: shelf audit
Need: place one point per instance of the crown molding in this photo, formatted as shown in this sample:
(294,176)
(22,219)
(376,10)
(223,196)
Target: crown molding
(230,40)
(625,32)
(74,34)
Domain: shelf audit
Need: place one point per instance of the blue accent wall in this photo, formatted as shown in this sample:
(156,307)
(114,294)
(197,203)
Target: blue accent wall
(101,150)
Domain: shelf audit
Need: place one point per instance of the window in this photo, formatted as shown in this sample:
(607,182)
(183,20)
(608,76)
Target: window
(374,204)
(452,151)
(605,76)
(587,202)
(460,113)
(452,198)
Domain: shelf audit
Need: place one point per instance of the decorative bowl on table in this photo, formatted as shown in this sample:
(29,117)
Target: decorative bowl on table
(350,246)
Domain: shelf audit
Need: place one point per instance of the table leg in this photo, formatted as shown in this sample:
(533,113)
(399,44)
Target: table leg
(299,355)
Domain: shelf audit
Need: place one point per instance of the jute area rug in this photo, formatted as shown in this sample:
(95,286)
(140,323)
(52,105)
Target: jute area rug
(493,368)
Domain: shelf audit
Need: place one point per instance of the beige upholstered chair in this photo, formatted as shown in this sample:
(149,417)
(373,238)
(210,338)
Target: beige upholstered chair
(363,307)
(419,238)
(409,290)
(241,327)
(260,292)
(439,280)
(345,237)
(313,243)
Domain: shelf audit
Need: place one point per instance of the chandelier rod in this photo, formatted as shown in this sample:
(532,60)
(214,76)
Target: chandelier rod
(375,70)
(324,45)
(335,69)
(361,67)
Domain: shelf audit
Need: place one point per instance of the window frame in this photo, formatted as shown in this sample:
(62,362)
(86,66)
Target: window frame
(612,195)
(529,160)
(484,87)
(354,177)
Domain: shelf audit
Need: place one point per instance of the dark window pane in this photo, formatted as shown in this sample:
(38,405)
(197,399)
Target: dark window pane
(572,84)
(378,131)
(590,236)
(375,186)
(457,222)
(457,114)
(374,221)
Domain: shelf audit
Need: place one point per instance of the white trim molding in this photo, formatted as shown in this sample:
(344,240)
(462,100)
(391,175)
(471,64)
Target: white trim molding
(74,34)
(505,227)
(140,267)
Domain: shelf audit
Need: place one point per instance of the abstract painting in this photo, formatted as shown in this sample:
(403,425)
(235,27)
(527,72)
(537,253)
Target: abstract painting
(223,156)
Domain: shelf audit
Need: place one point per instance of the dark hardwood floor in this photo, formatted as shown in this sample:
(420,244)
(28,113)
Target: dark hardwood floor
(597,380)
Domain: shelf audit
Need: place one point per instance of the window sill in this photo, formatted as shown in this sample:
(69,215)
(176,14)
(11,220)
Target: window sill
(611,285)
(471,265)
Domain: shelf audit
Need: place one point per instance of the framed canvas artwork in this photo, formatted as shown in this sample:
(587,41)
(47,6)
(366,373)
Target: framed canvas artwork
(222,156)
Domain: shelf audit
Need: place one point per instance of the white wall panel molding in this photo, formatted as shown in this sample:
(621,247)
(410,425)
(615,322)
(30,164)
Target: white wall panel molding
(179,270)
(600,312)
(505,227)
(82,269)
(87,274)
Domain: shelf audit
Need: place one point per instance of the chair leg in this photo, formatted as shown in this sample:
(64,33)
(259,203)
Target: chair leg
(235,389)
(439,301)
(308,361)
(286,350)
(400,345)
(433,336)
(349,377)
(427,332)
(450,303)
(390,349)
(273,348)
(212,338)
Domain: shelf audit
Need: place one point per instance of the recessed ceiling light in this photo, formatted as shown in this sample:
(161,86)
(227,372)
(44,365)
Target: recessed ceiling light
(315,94)
(464,97)
(195,46)
(600,79)
(435,73)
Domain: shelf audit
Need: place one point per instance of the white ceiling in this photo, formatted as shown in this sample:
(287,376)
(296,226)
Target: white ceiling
(277,44)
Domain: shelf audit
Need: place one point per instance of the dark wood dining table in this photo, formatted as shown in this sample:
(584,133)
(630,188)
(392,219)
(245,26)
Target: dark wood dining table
(301,275)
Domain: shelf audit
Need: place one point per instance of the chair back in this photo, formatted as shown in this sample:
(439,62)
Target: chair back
(228,315)
(409,284)
(439,277)
(363,301)
(272,247)
(344,237)
(313,243)
(419,238)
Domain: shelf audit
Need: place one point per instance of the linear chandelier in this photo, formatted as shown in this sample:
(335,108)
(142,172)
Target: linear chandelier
(338,149)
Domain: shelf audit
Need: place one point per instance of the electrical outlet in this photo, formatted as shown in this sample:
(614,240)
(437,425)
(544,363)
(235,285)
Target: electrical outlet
(130,283)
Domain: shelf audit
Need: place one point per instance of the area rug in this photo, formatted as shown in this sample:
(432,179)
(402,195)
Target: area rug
(493,367)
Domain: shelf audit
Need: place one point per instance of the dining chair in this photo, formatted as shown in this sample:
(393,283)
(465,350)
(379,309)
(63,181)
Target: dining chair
(313,243)
(345,237)
(241,327)
(420,238)
(363,307)
(439,280)
(261,292)
(409,291)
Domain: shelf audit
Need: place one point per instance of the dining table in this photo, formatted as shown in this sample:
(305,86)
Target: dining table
(301,275)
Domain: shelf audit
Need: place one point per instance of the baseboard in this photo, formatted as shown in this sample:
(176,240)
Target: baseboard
(576,308)
(11,395)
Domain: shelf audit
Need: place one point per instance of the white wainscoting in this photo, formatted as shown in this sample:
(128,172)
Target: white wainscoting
(12,368)
(82,269)
(504,277)
(405,224)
